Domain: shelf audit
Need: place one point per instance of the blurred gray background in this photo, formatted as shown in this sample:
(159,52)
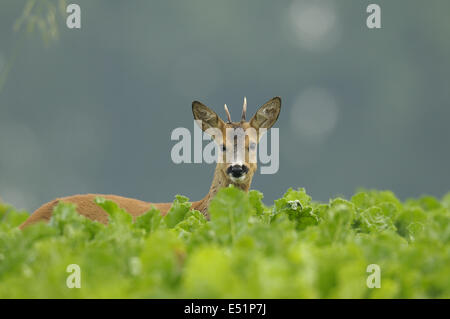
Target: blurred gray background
(92,110)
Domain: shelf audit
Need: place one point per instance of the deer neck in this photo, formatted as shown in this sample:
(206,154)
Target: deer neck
(220,181)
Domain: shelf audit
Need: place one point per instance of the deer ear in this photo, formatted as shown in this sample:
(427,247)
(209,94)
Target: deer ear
(267,114)
(208,118)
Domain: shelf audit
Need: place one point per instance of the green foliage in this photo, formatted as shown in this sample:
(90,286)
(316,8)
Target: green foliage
(42,16)
(296,248)
(178,211)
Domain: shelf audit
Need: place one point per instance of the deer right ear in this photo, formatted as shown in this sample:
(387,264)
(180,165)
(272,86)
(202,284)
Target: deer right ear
(209,118)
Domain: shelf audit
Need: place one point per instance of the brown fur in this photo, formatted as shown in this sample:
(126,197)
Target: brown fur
(265,117)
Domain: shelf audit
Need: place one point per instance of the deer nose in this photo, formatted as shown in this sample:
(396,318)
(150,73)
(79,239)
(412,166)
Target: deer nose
(237,170)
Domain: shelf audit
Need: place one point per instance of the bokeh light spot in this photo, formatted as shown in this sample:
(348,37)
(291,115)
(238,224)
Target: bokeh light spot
(314,24)
(314,115)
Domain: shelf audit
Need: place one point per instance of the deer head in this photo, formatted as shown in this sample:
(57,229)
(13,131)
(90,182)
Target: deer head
(237,141)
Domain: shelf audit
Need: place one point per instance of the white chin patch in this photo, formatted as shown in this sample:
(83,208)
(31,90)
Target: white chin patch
(238,180)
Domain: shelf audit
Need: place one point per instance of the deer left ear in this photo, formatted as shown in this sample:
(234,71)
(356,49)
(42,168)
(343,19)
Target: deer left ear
(267,114)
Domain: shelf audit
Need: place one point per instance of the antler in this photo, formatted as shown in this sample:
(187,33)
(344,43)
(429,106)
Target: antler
(228,113)
(244,109)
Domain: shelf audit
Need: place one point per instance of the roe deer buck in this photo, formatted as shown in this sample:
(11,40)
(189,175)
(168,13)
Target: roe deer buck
(238,170)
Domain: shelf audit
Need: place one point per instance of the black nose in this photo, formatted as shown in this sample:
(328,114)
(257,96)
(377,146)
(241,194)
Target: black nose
(237,170)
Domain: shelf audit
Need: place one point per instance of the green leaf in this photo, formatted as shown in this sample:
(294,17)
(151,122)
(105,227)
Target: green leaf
(229,210)
(256,203)
(374,219)
(116,215)
(178,211)
(150,221)
(297,206)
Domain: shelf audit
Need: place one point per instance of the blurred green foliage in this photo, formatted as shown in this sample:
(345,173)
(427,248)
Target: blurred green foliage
(41,15)
(295,249)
